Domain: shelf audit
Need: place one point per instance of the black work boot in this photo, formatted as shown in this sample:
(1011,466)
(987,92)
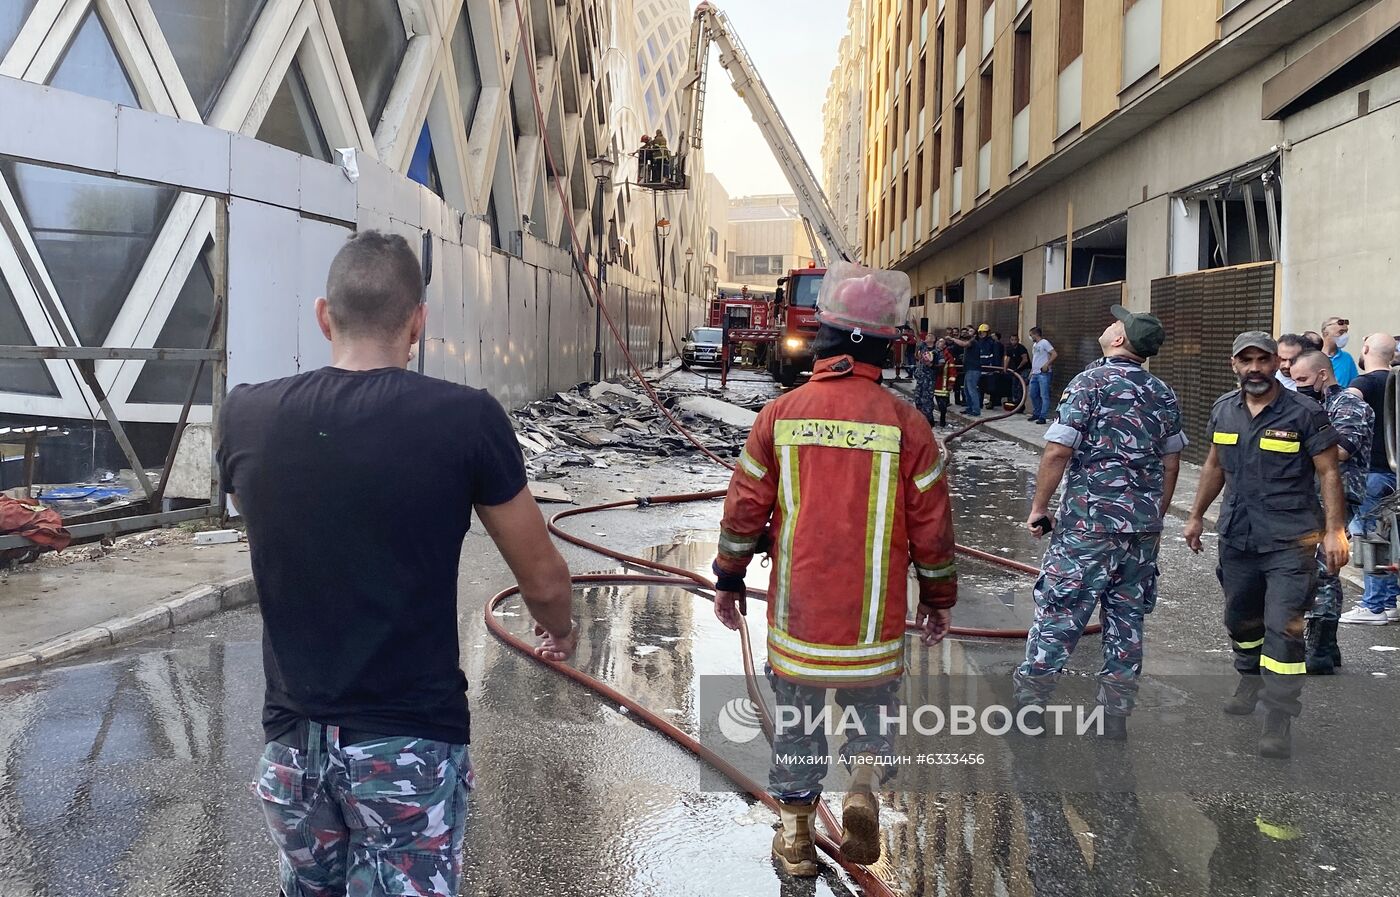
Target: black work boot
(1246,696)
(1329,641)
(1115,728)
(1318,658)
(1277,740)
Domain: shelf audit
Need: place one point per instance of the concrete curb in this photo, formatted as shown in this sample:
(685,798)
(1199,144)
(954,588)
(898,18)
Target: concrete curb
(196,604)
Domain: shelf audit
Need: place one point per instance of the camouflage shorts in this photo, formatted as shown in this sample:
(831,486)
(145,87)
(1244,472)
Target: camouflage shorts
(376,818)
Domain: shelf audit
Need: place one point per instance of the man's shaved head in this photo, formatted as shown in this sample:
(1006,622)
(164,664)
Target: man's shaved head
(374,287)
(1381,347)
(1311,362)
(1313,371)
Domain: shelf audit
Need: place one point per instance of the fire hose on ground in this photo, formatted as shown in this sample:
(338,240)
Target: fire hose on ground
(829,842)
(677,577)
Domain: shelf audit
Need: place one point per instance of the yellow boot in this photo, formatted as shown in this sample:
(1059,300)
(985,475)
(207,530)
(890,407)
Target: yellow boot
(792,843)
(860,818)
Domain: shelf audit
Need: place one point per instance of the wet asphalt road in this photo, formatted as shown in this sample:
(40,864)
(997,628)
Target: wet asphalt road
(127,773)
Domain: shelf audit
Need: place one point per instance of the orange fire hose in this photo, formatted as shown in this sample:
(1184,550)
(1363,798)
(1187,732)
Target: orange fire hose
(678,577)
(871,884)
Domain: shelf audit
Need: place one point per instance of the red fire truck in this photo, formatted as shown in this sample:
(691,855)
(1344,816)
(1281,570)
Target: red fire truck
(796,324)
(747,319)
(744,311)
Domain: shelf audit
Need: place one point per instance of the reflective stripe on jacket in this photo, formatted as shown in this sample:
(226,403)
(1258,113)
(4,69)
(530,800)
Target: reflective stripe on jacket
(855,486)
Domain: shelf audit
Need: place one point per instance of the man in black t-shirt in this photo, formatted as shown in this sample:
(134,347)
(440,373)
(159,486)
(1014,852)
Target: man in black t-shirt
(1378,602)
(358,482)
(1018,361)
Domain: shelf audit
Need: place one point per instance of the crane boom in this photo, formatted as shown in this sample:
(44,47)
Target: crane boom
(711,26)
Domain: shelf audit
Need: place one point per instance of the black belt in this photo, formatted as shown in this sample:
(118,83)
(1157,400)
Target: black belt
(296,736)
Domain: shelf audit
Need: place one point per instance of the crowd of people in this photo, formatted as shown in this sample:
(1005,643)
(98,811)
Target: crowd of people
(365,772)
(978,369)
(1317,365)
(1298,451)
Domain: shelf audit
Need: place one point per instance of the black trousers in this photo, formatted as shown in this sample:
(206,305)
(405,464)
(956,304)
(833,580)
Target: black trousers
(1266,595)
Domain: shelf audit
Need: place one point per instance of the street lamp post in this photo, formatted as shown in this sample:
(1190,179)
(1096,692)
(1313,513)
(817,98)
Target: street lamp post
(602,170)
(663,230)
(689,257)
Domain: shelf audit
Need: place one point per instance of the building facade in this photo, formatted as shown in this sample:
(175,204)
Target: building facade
(134,128)
(843,128)
(767,239)
(716,235)
(1224,163)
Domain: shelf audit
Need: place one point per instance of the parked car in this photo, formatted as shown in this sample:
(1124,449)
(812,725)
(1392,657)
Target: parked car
(702,346)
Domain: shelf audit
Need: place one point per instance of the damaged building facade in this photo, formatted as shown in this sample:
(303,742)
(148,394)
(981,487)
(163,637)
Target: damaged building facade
(1227,164)
(157,153)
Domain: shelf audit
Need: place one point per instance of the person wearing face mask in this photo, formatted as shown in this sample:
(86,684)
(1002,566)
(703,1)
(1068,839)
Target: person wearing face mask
(1290,346)
(1354,422)
(1334,340)
(1119,437)
(1270,449)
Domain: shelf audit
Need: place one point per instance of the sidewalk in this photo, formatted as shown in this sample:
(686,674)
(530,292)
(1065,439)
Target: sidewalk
(158,580)
(55,612)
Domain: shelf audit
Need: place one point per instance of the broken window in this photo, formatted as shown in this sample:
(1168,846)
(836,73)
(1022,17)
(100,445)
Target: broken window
(1240,223)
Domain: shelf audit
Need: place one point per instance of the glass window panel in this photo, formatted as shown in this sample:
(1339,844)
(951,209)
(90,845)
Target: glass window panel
(168,382)
(93,235)
(375,41)
(90,66)
(468,70)
(423,167)
(205,39)
(16,374)
(291,121)
(12,16)
(493,222)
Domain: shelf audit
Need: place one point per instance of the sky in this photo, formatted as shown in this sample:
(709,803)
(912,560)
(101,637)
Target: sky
(793,44)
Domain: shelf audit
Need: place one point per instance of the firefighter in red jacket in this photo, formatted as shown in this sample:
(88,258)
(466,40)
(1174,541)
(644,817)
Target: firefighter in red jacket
(855,488)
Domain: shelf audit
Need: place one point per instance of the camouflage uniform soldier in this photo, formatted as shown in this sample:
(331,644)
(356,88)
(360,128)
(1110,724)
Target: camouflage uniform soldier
(1354,422)
(1119,435)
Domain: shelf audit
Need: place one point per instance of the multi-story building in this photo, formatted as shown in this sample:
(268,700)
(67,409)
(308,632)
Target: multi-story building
(1227,164)
(843,128)
(157,151)
(767,239)
(716,236)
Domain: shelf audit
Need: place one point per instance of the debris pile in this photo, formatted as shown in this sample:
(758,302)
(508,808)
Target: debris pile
(597,425)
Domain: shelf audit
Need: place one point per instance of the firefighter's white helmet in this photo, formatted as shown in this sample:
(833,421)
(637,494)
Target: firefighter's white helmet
(863,300)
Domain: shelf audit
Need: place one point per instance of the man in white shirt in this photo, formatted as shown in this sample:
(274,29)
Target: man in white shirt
(1043,355)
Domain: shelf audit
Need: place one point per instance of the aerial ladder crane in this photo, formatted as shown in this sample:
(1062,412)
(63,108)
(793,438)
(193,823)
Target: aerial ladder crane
(786,347)
(711,27)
